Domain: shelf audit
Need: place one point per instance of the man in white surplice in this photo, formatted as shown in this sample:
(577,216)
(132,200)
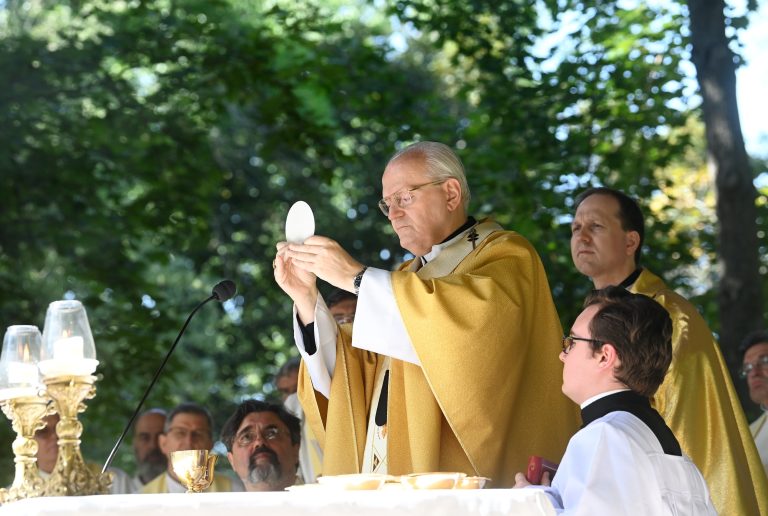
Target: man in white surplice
(625,459)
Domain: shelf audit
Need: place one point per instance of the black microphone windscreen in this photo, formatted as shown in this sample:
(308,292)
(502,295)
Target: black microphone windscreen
(224,290)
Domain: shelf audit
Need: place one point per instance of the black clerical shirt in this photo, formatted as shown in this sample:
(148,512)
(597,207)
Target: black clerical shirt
(638,406)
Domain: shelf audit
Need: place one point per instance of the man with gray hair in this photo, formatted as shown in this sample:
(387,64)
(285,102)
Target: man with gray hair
(262,441)
(450,361)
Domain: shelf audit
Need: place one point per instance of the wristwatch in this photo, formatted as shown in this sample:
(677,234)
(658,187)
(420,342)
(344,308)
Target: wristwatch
(359,279)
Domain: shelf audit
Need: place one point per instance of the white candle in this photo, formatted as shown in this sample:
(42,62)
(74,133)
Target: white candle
(68,348)
(20,372)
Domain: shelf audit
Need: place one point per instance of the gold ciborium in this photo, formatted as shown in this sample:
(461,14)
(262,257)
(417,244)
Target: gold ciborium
(194,468)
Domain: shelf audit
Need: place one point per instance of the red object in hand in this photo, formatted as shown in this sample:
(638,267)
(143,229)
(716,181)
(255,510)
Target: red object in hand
(536,468)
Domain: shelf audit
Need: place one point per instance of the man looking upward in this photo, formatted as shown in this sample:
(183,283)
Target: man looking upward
(451,359)
(262,441)
(697,398)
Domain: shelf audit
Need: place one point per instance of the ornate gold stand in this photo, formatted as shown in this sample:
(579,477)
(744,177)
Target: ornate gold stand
(26,415)
(71,476)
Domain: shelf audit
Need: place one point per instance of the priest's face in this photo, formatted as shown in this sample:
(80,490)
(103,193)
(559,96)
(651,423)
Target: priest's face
(288,384)
(263,454)
(600,247)
(757,378)
(580,362)
(186,431)
(427,219)
(344,311)
(150,460)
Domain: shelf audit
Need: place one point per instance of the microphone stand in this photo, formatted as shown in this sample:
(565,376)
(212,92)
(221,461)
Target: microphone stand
(152,384)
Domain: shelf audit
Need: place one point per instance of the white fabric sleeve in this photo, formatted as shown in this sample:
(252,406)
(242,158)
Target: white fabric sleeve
(321,363)
(378,324)
(605,471)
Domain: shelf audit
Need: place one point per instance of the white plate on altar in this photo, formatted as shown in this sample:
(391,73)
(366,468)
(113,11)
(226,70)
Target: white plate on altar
(300,223)
(355,481)
(437,480)
(59,367)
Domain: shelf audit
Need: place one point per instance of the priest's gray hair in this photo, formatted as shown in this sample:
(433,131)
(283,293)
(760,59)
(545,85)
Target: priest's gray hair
(442,163)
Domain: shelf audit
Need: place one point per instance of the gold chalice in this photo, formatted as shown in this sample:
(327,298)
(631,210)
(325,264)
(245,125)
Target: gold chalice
(194,468)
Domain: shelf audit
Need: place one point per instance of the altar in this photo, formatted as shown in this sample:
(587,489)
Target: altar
(315,502)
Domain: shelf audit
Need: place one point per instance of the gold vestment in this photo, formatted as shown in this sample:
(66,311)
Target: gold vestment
(488,392)
(699,403)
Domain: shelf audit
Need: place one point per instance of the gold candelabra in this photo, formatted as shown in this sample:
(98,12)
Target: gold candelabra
(27,416)
(71,476)
(64,357)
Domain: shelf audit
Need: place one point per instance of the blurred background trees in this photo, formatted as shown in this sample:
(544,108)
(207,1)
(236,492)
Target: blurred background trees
(151,148)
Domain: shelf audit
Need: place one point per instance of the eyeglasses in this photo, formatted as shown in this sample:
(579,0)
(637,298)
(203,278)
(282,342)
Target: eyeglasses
(248,437)
(761,362)
(183,433)
(344,318)
(404,197)
(570,340)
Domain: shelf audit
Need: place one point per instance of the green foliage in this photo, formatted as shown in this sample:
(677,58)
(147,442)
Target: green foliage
(150,148)
(591,103)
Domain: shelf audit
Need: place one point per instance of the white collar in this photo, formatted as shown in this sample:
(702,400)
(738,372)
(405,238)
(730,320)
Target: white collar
(438,248)
(596,397)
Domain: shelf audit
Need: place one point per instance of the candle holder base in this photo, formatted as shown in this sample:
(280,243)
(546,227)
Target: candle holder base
(71,476)
(27,416)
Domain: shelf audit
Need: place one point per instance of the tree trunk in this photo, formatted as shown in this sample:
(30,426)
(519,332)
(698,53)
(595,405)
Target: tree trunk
(739,296)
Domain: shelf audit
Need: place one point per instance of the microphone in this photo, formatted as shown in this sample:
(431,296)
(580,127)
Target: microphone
(223,291)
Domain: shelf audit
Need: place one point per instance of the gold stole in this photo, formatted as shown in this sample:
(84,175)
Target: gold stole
(375,453)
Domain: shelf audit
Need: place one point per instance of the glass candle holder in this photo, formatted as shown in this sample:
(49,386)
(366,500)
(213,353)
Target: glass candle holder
(19,376)
(68,348)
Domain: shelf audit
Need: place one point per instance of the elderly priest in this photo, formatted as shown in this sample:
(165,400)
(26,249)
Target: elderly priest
(452,360)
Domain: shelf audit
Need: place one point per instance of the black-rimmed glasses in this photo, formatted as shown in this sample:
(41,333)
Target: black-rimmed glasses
(404,197)
(570,340)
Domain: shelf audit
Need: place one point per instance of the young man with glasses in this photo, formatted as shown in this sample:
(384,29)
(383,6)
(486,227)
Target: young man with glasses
(263,441)
(754,370)
(697,398)
(448,357)
(187,427)
(625,459)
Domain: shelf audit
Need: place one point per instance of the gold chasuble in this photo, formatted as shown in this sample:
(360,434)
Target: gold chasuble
(488,392)
(700,405)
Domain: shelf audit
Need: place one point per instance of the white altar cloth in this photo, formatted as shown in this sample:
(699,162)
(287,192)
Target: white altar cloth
(314,502)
